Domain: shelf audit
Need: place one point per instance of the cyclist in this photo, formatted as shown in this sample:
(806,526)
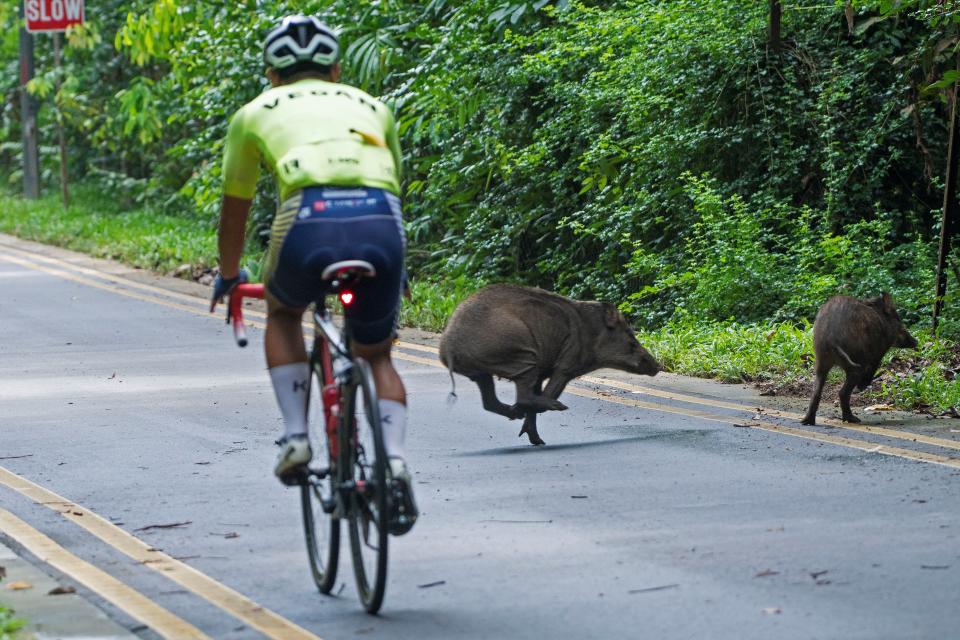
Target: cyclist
(335,154)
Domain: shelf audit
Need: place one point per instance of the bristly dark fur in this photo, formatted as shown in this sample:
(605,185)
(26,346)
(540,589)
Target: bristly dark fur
(853,335)
(531,336)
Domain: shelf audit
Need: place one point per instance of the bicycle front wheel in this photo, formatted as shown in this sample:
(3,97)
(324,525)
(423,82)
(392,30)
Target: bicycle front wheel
(363,453)
(321,521)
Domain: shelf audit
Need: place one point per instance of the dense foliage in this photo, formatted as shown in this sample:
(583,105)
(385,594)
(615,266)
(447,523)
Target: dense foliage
(659,154)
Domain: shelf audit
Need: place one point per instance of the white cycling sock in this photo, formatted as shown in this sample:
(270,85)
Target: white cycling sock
(393,417)
(290,383)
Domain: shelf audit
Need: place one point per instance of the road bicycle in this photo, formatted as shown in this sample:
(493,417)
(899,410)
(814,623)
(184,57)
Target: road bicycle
(349,478)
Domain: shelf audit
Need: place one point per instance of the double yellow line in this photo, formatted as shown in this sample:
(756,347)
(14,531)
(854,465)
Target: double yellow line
(244,609)
(120,595)
(192,304)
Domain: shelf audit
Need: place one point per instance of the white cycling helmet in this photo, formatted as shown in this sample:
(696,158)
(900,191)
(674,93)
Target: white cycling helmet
(301,39)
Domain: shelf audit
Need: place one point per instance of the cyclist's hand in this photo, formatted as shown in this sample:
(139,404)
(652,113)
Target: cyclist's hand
(222,286)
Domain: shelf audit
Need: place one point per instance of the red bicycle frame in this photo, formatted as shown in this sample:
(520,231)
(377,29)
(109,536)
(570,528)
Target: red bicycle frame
(330,394)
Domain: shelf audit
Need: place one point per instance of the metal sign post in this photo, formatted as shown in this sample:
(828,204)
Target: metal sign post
(43,16)
(64,188)
(28,116)
(951,211)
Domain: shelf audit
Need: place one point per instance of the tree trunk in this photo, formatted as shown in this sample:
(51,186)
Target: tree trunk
(776,9)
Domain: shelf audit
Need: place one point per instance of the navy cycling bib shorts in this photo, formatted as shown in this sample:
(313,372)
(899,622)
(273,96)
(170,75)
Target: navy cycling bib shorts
(318,226)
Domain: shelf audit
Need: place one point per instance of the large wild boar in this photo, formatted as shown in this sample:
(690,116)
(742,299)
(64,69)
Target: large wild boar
(854,335)
(529,336)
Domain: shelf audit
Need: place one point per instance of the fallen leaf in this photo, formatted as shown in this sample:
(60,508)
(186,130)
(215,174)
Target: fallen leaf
(879,407)
(773,610)
(19,586)
(660,588)
(172,525)
(59,591)
(767,572)
(431,584)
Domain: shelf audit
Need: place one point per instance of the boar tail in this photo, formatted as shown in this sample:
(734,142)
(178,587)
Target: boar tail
(844,355)
(452,397)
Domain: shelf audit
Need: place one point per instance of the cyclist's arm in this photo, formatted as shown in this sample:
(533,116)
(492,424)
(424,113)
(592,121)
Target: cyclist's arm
(241,160)
(233,227)
(241,169)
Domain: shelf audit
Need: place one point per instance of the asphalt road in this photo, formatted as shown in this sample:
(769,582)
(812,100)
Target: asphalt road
(633,522)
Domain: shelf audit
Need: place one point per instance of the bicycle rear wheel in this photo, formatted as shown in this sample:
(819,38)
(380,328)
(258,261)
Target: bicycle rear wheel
(366,459)
(321,521)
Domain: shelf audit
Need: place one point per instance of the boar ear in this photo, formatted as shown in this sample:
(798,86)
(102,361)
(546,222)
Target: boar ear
(887,302)
(610,315)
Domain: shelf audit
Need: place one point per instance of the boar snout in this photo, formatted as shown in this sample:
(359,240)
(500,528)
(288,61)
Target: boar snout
(647,365)
(906,341)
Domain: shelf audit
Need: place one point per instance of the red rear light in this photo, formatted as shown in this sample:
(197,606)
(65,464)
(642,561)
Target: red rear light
(346,297)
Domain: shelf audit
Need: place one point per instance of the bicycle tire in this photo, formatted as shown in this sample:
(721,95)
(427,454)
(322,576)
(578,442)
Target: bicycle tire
(323,553)
(368,507)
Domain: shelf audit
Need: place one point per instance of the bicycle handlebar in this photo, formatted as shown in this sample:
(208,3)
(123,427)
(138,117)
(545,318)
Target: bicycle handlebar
(235,309)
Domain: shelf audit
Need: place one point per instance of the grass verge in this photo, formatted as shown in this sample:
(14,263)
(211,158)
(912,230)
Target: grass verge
(9,624)
(96,224)
(777,355)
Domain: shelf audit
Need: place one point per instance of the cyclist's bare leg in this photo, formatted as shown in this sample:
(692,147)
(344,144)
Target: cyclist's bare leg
(290,374)
(283,341)
(385,377)
(393,418)
(391,393)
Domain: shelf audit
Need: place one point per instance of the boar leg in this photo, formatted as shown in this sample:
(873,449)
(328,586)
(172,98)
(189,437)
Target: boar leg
(555,387)
(488,395)
(821,379)
(530,428)
(529,397)
(530,419)
(848,384)
(811,417)
(869,373)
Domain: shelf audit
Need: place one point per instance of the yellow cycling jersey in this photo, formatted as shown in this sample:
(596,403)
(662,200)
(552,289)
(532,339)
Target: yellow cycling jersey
(312,132)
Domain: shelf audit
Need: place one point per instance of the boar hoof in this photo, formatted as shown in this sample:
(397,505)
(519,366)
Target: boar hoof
(539,404)
(851,419)
(809,420)
(532,434)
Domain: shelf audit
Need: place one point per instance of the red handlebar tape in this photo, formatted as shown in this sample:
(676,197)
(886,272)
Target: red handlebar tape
(240,292)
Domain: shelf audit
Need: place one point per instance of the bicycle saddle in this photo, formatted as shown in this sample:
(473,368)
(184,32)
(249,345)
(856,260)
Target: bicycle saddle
(348,270)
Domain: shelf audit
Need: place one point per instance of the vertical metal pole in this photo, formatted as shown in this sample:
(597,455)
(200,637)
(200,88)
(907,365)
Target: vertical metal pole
(951,212)
(28,114)
(776,10)
(64,188)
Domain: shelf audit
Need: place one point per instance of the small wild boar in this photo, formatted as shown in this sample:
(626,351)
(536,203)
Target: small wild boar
(529,336)
(854,335)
